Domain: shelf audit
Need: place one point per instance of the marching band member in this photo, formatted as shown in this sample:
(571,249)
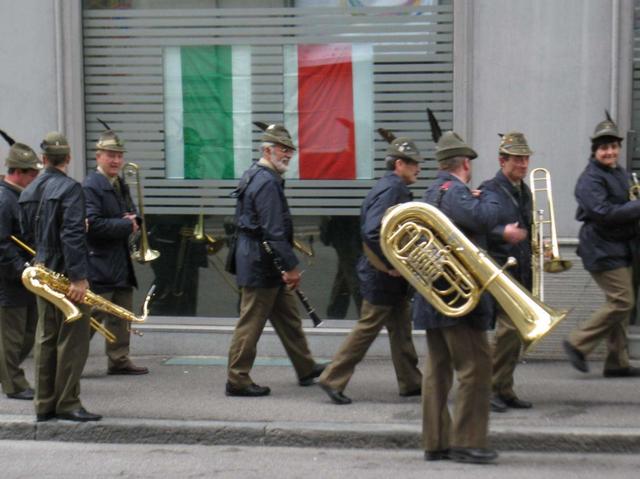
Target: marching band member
(384,291)
(511,237)
(52,218)
(18,315)
(609,232)
(262,214)
(112,218)
(458,344)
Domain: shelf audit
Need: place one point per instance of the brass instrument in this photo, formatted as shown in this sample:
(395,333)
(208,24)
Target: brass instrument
(95,324)
(443,265)
(54,287)
(545,253)
(199,236)
(305,249)
(634,189)
(144,254)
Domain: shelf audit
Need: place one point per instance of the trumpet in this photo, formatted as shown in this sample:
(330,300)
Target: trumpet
(634,189)
(95,324)
(131,175)
(432,254)
(545,256)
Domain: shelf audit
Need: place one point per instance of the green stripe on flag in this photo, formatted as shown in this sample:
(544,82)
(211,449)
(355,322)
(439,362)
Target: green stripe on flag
(207,98)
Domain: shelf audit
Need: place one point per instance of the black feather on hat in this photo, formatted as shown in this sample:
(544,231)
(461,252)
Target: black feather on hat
(9,140)
(104,123)
(262,125)
(436,131)
(387,135)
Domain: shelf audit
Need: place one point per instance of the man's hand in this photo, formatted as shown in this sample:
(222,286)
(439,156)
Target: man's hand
(513,234)
(131,217)
(292,278)
(77,290)
(394,273)
(476,193)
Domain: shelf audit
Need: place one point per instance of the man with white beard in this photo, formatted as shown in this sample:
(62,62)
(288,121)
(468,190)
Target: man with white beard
(262,214)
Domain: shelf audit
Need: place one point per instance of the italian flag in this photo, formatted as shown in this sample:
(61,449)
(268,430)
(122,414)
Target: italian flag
(207,101)
(328,95)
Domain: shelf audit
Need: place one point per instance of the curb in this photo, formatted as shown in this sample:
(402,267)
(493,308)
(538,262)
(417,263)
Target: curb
(311,434)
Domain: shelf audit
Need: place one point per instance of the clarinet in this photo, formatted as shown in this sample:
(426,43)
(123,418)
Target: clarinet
(301,296)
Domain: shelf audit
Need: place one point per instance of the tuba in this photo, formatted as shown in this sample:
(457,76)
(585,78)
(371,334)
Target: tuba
(545,253)
(53,287)
(131,175)
(443,265)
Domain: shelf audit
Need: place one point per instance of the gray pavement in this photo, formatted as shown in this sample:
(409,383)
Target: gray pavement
(182,401)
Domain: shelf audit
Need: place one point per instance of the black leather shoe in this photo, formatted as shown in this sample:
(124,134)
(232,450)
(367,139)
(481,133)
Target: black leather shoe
(336,396)
(516,403)
(414,392)
(629,372)
(79,415)
(25,394)
(498,404)
(438,455)
(253,390)
(475,456)
(576,358)
(129,370)
(45,416)
(310,379)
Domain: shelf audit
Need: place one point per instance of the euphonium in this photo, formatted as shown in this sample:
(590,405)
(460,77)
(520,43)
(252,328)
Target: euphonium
(545,253)
(443,265)
(131,174)
(53,287)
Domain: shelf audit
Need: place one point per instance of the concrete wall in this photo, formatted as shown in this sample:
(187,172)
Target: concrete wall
(40,84)
(548,68)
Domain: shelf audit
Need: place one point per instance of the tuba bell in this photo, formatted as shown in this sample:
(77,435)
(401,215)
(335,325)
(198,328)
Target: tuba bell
(443,265)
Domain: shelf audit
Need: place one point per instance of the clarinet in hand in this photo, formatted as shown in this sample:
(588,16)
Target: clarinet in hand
(301,296)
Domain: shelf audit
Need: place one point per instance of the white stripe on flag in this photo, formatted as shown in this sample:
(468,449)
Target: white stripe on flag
(241,89)
(290,80)
(362,67)
(173,119)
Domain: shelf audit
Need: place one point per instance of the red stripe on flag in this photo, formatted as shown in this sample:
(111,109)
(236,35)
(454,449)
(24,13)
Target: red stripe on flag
(326,130)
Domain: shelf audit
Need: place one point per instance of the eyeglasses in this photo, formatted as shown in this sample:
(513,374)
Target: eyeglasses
(285,149)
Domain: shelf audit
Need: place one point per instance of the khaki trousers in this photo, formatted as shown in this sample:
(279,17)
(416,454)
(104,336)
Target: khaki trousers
(61,352)
(507,346)
(118,351)
(256,306)
(397,320)
(17,335)
(465,350)
(610,321)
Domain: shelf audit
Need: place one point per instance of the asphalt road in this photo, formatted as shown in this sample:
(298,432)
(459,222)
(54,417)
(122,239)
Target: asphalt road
(57,460)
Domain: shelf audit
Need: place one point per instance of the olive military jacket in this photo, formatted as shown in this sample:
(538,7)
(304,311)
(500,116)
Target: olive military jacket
(475,217)
(52,219)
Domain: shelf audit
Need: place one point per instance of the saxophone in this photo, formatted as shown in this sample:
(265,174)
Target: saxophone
(53,287)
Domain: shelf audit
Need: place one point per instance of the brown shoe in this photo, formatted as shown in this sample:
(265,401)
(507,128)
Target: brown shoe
(129,369)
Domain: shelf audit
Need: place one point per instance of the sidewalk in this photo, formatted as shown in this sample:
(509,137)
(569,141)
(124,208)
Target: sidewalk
(182,401)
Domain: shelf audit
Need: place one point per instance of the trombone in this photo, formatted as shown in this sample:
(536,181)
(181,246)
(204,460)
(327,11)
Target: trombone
(545,253)
(144,254)
(95,324)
